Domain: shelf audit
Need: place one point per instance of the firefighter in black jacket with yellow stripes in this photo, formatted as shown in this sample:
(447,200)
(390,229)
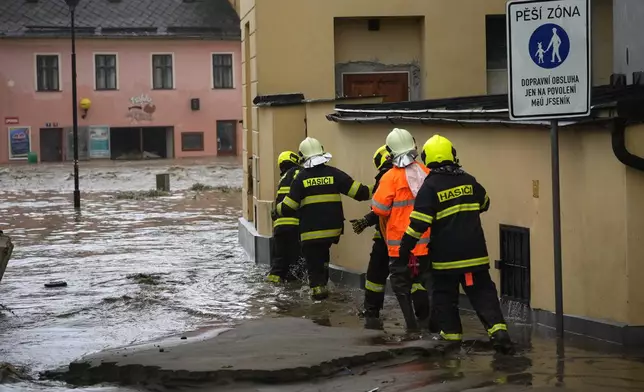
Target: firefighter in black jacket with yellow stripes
(451,201)
(315,197)
(285,233)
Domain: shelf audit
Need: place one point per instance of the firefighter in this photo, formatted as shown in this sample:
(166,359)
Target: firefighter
(315,196)
(393,202)
(285,233)
(378,269)
(450,202)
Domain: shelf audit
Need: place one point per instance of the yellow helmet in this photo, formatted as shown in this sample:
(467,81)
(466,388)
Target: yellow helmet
(400,141)
(310,147)
(438,149)
(288,156)
(381,157)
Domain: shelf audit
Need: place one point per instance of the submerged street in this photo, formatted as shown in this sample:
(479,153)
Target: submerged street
(140,267)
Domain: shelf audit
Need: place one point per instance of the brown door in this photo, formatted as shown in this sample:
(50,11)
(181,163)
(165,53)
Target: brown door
(51,144)
(394,86)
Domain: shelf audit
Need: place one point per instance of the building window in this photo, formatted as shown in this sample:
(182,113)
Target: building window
(192,141)
(47,72)
(105,71)
(227,137)
(162,72)
(496,54)
(222,70)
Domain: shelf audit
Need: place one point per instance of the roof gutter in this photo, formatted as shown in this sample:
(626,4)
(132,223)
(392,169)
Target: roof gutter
(618,140)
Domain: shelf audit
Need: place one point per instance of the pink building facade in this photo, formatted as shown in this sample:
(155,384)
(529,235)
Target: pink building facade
(165,98)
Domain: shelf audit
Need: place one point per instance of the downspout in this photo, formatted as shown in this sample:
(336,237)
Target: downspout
(618,139)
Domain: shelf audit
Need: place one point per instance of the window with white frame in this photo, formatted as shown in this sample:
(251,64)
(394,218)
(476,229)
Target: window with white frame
(162,72)
(222,70)
(105,70)
(496,54)
(48,72)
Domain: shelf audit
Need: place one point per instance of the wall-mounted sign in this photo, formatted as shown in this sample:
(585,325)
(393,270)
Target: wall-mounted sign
(11,120)
(51,125)
(19,142)
(99,141)
(141,108)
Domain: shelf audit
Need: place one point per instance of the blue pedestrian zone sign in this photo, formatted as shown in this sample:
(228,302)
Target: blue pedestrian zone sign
(549,46)
(549,59)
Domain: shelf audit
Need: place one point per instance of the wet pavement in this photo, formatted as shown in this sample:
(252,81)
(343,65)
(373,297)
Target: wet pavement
(139,270)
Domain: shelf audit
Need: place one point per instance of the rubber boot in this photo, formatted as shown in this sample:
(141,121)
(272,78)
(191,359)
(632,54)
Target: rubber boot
(502,343)
(319,293)
(273,279)
(407,308)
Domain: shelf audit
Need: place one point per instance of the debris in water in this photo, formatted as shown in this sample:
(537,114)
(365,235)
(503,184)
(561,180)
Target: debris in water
(151,279)
(140,195)
(6,308)
(10,374)
(161,350)
(60,283)
(197,187)
(184,337)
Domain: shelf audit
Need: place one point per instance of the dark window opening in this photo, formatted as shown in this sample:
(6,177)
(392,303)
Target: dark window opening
(105,71)
(162,78)
(47,73)
(515,263)
(227,137)
(222,68)
(495,42)
(192,141)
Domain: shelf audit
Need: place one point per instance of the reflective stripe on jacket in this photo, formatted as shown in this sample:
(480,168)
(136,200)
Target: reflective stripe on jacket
(394,201)
(283,188)
(315,196)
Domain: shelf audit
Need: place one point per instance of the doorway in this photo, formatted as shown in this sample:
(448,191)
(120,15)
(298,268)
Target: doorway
(139,143)
(51,144)
(393,86)
(227,137)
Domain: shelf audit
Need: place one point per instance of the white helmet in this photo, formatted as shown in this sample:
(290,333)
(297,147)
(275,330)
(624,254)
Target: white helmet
(310,147)
(400,141)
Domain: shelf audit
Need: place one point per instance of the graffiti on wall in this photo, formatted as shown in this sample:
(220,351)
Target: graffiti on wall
(141,108)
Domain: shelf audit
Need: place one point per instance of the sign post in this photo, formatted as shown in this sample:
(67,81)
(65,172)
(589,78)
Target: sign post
(549,60)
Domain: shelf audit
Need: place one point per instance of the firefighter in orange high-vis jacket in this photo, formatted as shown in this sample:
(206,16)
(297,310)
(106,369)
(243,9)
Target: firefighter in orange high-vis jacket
(393,202)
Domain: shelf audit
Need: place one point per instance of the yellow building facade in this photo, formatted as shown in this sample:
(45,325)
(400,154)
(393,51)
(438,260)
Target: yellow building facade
(411,50)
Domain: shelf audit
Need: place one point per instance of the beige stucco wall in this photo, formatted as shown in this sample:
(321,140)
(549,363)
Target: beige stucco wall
(399,40)
(635,227)
(598,251)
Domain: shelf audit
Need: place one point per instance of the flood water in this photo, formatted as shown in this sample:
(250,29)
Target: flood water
(139,270)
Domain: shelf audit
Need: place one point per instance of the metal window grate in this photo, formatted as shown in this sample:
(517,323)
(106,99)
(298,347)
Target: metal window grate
(515,263)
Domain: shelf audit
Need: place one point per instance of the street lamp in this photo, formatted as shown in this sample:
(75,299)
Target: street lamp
(72,9)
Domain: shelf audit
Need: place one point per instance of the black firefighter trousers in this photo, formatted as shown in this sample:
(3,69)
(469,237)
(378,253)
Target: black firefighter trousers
(317,255)
(286,252)
(481,292)
(412,292)
(376,280)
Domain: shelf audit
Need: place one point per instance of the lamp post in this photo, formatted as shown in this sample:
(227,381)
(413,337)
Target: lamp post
(72,10)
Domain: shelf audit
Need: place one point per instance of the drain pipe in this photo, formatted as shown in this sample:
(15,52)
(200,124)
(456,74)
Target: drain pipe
(618,139)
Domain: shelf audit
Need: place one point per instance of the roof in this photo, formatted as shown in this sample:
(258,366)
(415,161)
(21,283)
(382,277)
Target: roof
(215,19)
(474,109)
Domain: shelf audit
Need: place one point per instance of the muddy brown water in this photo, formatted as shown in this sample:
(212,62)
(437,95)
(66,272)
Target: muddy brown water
(139,270)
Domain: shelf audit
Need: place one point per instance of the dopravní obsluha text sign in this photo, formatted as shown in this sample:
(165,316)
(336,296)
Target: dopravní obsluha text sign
(548,59)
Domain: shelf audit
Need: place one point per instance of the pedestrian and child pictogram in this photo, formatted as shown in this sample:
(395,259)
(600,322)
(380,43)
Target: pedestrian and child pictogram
(556,42)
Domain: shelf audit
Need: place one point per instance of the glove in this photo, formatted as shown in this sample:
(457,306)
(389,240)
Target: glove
(359,225)
(274,214)
(404,253)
